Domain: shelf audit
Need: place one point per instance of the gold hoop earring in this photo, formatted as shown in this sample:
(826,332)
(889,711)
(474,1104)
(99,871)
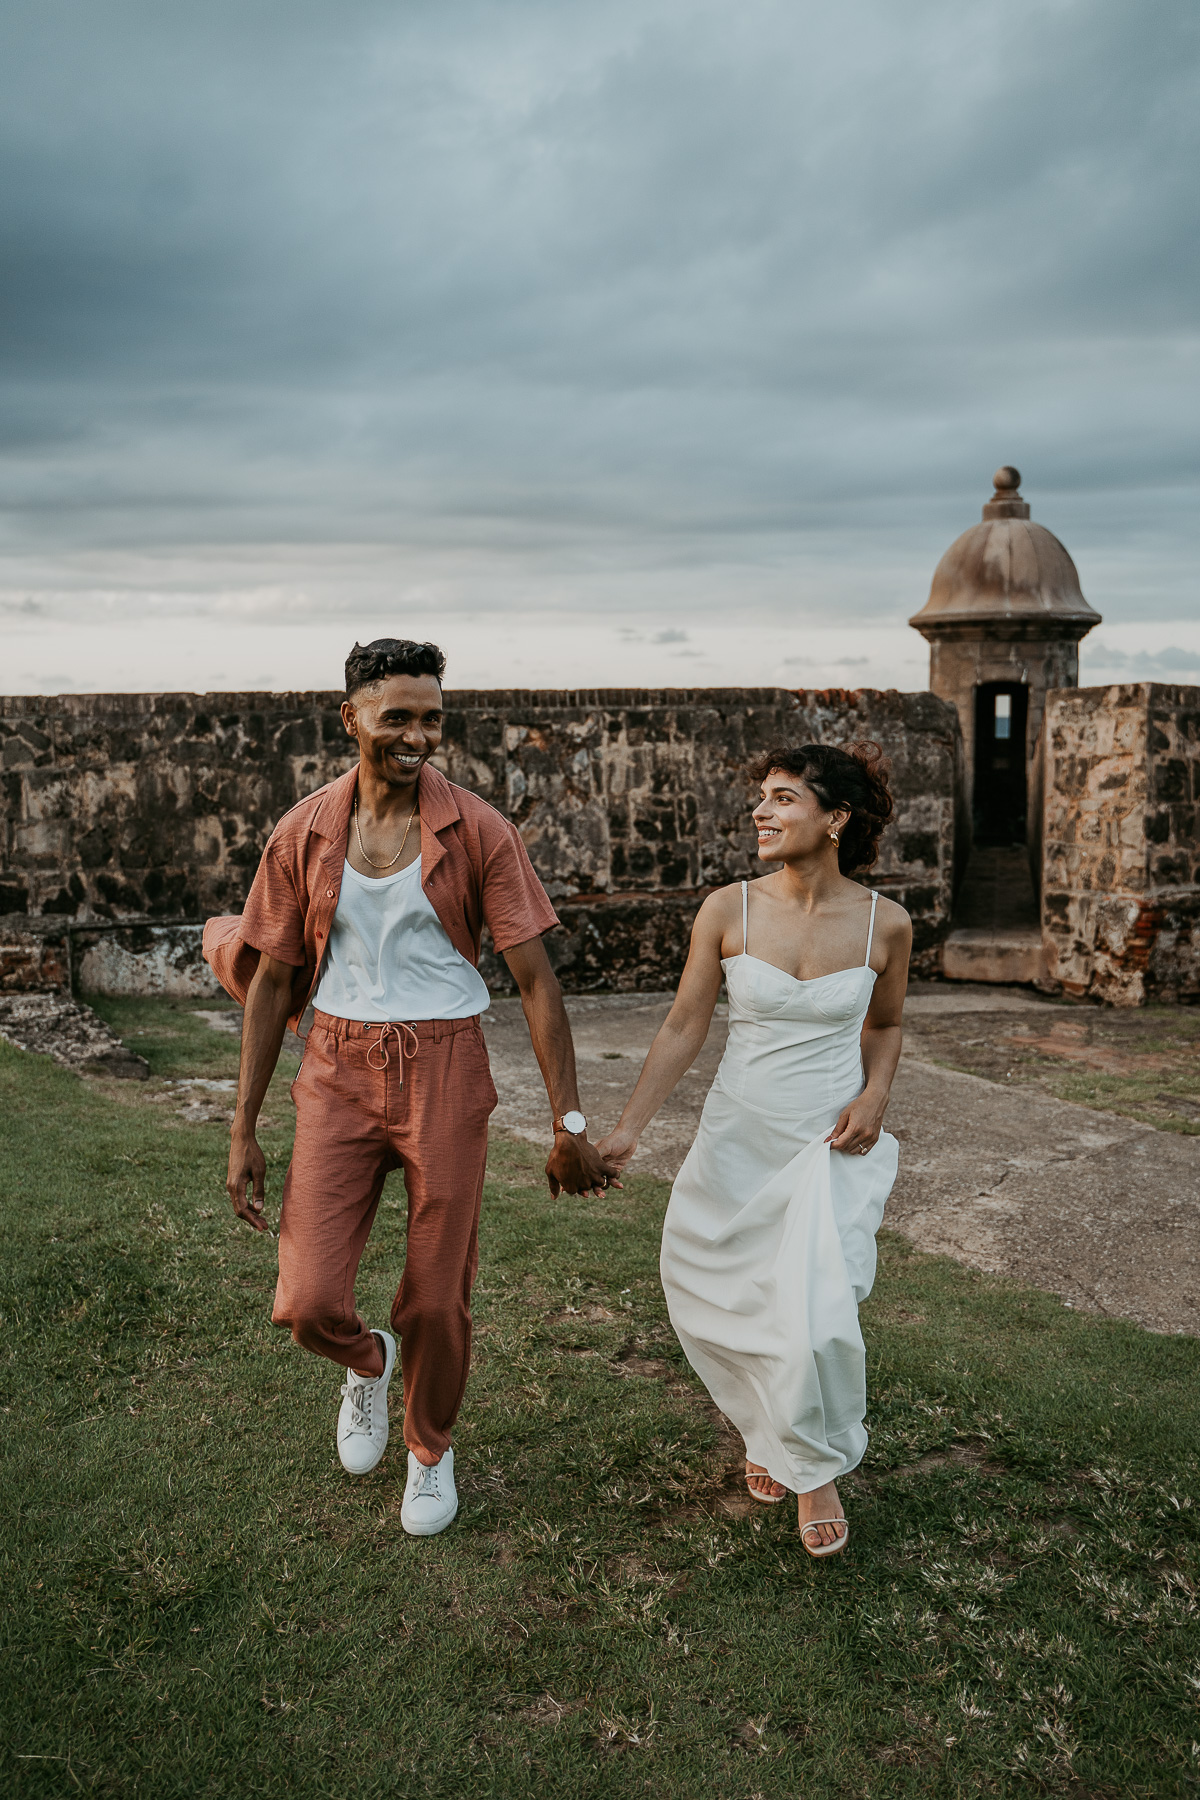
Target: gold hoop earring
(834,836)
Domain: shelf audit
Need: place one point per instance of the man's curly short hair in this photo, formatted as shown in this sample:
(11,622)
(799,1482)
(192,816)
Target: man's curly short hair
(369,663)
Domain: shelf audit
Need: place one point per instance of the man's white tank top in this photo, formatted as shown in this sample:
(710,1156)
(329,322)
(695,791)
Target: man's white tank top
(389,958)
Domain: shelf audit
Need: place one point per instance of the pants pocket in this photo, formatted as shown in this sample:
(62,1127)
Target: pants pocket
(473,1070)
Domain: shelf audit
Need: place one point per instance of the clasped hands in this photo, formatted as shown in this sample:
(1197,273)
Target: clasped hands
(576,1167)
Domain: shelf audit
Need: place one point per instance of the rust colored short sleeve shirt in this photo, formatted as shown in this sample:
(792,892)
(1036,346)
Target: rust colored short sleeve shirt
(515,904)
(474,869)
(274,914)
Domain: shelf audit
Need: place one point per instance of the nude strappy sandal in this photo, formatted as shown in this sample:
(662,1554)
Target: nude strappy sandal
(752,1475)
(825,1549)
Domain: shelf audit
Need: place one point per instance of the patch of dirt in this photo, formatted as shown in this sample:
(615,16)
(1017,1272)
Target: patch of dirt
(908,1754)
(591,1312)
(226,1021)
(749,1734)
(964,1455)
(635,1571)
(651,1367)
(204,1101)
(1066,1528)
(1071,1041)
(548,1712)
(199,1100)
(1058,1047)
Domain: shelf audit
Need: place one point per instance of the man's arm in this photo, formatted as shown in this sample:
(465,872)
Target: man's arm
(574,1165)
(268,1004)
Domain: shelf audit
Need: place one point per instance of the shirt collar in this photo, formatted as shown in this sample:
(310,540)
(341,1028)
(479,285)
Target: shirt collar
(439,808)
(332,816)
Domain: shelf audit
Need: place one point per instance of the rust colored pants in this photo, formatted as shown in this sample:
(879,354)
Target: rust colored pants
(371,1098)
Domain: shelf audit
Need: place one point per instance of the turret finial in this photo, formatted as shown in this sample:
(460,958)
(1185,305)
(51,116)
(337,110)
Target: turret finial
(1006,502)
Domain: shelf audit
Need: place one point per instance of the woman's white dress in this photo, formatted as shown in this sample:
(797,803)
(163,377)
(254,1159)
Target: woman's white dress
(769,1239)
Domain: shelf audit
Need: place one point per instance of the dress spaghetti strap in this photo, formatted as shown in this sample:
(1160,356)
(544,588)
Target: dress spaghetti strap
(871,930)
(745,896)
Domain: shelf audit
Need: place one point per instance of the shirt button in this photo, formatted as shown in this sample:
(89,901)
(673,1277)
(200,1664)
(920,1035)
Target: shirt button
(329,893)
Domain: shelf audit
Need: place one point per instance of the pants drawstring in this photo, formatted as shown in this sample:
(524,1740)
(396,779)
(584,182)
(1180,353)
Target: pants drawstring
(380,1044)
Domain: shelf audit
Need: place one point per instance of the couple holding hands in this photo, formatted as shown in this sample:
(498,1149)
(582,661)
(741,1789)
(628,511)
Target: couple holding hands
(369,903)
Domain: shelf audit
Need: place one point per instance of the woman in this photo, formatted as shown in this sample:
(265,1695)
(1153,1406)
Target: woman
(769,1239)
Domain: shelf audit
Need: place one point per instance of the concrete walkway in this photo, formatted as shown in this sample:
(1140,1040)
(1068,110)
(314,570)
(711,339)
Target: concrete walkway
(1094,1207)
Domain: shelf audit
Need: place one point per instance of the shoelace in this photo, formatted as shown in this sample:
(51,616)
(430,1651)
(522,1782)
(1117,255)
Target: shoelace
(355,1391)
(427,1483)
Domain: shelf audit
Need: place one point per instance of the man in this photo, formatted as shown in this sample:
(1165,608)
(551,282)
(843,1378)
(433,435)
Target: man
(369,901)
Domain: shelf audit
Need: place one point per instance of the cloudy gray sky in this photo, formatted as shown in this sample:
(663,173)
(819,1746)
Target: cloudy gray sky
(669,341)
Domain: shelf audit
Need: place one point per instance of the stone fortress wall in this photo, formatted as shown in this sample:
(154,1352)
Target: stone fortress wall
(1117,801)
(127,819)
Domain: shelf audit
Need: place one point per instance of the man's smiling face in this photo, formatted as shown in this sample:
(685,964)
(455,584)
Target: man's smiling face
(398,724)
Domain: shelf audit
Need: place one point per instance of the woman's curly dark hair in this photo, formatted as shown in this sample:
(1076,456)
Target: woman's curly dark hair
(853,775)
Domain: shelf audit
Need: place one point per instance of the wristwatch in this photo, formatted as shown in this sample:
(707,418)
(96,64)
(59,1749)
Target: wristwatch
(574,1122)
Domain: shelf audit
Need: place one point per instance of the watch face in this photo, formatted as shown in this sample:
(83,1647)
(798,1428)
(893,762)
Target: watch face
(574,1122)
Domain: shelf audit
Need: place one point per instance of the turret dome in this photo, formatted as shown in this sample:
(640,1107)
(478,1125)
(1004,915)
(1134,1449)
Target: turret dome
(1006,571)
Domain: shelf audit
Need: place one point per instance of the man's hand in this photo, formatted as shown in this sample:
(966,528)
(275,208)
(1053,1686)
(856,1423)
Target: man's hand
(576,1167)
(246,1182)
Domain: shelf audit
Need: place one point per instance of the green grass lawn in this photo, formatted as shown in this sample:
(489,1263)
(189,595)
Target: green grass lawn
(198,1602)
(175,1037)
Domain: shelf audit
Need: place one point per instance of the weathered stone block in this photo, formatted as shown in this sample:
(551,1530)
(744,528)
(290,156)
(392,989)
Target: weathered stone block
(35,956)
(141,959)
(1120,880)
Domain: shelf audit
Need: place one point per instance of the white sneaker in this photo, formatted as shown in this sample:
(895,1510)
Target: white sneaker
(430,1499)
(362,1427)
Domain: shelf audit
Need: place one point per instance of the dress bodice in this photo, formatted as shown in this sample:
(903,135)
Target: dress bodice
(794,1045)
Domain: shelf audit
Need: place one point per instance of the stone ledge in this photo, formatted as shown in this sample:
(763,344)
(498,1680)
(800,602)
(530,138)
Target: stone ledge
(1014,955)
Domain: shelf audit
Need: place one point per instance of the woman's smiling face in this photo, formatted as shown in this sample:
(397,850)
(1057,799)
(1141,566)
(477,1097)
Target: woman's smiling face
(791,821)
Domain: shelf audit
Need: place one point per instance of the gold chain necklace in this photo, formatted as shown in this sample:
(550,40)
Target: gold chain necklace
(358,834)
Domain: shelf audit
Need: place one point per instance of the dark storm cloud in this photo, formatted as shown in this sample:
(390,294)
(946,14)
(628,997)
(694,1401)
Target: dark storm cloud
(626,281)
